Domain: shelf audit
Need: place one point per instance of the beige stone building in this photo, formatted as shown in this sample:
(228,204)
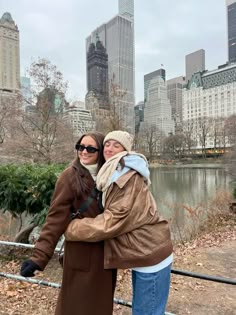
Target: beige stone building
(79,119)
(9,54)
(208,100)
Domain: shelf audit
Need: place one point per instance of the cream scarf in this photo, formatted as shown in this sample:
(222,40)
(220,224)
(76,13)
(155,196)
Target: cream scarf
(103,180)
(92,169)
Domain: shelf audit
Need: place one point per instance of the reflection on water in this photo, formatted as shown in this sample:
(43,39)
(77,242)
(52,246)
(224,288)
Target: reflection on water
(192,187)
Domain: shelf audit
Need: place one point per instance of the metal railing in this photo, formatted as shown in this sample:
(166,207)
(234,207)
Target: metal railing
(174,271)
(202,276)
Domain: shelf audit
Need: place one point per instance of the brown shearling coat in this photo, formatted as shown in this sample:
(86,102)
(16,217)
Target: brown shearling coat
(87,289)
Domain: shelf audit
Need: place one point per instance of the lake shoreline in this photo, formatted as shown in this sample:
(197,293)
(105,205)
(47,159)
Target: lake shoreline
(182,165)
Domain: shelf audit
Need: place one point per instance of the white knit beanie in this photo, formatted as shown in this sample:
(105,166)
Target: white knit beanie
(123,137)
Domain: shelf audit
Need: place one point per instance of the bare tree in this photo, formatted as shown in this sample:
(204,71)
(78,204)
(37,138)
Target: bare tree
(4,114)
(41,132)
(149,140)
(204,128)
(218,133)
(117,110)
(230,126)
(9,111)
(222,131)
(188,131)
(169,147)
(175,145)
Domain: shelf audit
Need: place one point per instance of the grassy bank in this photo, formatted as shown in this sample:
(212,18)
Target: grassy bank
(202,218)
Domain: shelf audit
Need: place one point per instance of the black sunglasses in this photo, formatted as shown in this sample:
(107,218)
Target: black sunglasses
(89,149)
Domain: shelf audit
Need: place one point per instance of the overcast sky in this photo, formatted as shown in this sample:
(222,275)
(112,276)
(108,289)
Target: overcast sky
(165,31)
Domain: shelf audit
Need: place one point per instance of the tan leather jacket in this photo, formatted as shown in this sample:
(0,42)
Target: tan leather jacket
(135,234)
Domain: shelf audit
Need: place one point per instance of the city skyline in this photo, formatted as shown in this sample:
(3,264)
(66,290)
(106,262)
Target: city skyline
(117,35)
(57,31)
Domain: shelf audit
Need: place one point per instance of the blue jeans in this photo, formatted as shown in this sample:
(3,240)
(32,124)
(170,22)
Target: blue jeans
(150,292)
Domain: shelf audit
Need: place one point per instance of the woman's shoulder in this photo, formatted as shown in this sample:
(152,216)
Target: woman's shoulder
(138,163)
(136,158)
(72,168)
(68,173)
(128,177)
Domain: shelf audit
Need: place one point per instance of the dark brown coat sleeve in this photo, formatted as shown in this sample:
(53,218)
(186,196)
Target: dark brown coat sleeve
(57,219)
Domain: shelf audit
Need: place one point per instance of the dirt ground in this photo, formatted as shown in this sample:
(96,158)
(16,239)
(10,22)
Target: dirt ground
(212,254)
(200,297)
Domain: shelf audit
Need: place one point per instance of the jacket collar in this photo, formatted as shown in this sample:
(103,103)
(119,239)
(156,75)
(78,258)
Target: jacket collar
(122,180)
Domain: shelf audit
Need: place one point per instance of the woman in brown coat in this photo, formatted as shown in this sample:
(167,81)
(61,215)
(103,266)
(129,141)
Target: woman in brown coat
(87,288)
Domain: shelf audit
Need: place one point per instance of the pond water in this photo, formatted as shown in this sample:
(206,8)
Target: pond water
(183,193)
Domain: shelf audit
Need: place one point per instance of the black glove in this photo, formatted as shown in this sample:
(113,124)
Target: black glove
(28,268)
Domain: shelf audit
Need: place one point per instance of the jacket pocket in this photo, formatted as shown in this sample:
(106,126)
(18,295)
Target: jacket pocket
(77,256)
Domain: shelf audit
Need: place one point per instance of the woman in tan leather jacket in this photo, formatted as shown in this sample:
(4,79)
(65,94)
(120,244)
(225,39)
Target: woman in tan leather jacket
(87,288)
(135,235)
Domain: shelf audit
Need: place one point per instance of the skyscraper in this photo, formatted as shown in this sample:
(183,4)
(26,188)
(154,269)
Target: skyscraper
(175,93)
(194,62)
(97,72)
(138,115)
(9,54)
(117,35)
(231,23)
(148,77)
(157,109)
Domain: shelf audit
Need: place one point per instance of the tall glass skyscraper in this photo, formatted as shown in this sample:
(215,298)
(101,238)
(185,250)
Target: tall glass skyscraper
(231,22)
(117,36)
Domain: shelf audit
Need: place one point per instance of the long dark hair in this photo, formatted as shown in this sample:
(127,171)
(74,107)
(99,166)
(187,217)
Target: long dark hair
(82,184)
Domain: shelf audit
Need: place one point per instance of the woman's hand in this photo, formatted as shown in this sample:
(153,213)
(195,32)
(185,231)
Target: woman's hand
(28,268)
